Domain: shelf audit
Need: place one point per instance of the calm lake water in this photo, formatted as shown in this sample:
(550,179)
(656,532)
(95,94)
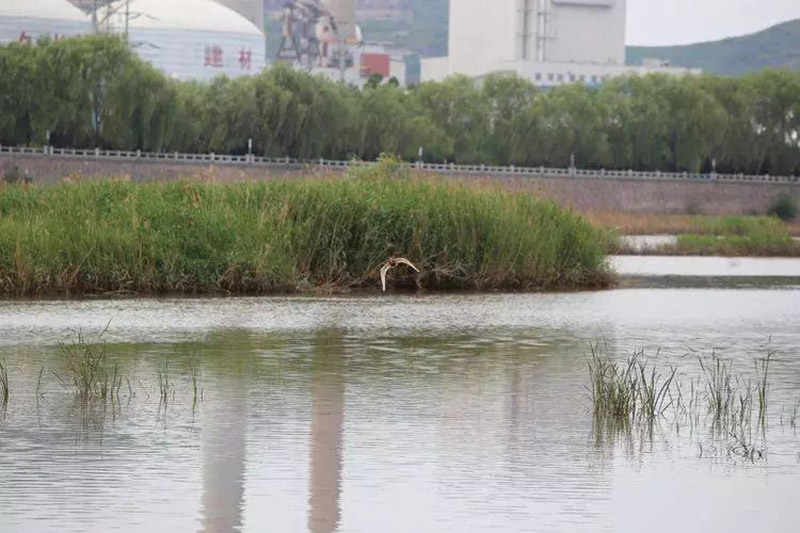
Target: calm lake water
(645,243)
(391,413)
(745,268)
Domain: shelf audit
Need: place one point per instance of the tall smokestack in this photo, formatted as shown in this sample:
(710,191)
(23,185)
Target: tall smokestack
(344,12)
(252,10)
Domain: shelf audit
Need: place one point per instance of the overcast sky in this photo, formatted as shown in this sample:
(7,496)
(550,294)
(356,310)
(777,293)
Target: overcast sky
(664,22)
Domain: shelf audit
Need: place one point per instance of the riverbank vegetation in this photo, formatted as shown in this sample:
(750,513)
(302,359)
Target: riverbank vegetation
(661,224)
(706,235)
(289,235)
(94,92)
(760,243)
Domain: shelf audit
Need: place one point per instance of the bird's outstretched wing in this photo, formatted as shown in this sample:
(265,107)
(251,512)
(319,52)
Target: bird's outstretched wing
(384,270)
(406,262)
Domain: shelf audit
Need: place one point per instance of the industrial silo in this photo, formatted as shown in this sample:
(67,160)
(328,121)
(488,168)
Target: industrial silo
(188,39)
(27,21)
(252,10)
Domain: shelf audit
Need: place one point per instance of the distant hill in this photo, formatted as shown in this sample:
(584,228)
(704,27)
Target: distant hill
(778,46)
(417,25)
(423,29)
(424,32)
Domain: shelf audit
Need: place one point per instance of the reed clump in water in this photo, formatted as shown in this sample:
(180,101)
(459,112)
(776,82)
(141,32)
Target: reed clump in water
(93,376)
(5,391)
(633,393)
(165,386)
(289,235)
(629,391)
(194,377)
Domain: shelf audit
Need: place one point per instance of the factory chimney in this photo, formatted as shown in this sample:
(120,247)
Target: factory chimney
(344,13)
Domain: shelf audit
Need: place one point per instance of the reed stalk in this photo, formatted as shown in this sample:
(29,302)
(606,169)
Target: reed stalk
(5,390)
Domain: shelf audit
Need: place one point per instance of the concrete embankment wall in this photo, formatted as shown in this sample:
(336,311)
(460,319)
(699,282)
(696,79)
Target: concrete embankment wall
(583,193)
(659,196)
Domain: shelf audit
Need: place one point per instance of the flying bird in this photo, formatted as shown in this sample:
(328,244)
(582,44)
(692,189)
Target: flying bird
(390,264)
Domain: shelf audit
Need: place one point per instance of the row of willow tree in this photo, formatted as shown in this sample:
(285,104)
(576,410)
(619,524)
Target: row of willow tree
(94,92)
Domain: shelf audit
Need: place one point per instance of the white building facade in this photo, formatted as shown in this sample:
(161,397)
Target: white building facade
(549,42)
(27,21)
(188,39)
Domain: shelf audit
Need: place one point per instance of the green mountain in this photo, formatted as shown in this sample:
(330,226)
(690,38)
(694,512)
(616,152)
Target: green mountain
(425,32)
(778,47)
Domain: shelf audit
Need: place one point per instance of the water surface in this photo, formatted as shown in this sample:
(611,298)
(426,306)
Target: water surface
(391,413)
(720,267)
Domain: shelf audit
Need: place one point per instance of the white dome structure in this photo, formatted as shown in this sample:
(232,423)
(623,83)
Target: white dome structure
(27,20)
(188,39)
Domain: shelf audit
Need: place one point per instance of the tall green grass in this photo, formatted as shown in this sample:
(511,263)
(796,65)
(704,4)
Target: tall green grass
(766,242)
(744,236)
(736,225)
(299,234)
(726,236)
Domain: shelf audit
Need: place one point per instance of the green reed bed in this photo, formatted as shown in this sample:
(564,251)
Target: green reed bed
(636,389)
(291,235)
(762,243)
(728,236)
(737,225)
(636,393)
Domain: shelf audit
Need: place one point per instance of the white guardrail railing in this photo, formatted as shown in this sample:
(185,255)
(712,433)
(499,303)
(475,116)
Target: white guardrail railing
(251,160)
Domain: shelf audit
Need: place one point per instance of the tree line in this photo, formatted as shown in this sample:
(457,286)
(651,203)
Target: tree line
(94,92)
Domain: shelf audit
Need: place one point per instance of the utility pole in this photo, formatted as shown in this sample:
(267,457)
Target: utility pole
(341,57)
(127,19)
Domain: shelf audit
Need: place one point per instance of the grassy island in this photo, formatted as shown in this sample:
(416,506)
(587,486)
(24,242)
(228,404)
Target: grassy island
(293,235)
(751,236)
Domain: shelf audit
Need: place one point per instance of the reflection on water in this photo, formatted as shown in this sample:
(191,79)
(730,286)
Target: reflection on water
(435,413)
(224,452)
(327,418)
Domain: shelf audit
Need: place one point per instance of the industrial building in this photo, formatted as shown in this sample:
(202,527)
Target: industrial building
(26,21)
(187,39)
(549,42)
(203,39)
(322,37)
